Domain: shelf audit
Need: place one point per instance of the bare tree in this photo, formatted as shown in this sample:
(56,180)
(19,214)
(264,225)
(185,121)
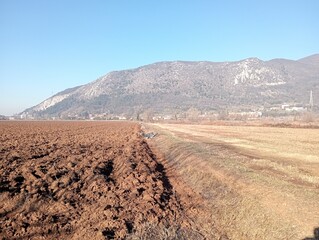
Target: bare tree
(192,114)
(148,115)
(223,115)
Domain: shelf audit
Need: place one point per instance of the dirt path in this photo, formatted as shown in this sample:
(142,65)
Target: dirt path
(84,180)
(259,183)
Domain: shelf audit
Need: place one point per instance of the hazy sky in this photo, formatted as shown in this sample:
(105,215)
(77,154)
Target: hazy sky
(48,46)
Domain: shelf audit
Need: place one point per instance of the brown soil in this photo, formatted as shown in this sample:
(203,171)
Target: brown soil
(72,180)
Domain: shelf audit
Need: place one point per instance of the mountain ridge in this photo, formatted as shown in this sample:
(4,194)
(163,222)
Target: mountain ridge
(171,86)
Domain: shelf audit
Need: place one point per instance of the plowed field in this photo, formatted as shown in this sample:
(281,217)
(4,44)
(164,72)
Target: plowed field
(81,180)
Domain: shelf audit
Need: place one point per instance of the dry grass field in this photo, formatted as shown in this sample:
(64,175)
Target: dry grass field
(255,182)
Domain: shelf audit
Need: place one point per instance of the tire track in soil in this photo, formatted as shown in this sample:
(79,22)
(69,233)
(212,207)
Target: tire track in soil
(87,180)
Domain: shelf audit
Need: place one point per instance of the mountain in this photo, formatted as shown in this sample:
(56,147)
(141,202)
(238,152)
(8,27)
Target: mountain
(177,86)
(313,59)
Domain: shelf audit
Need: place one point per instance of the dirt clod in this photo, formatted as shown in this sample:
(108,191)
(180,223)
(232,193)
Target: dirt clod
(67,180)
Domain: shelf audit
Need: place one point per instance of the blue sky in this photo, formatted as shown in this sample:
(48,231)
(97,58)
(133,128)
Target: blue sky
(48,46)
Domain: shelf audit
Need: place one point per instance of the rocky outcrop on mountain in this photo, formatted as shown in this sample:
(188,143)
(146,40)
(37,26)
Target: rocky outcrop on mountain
(179,86)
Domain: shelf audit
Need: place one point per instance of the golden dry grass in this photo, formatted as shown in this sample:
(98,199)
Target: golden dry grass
(256,182)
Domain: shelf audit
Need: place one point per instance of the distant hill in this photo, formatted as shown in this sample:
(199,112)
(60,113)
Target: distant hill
(177,86)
